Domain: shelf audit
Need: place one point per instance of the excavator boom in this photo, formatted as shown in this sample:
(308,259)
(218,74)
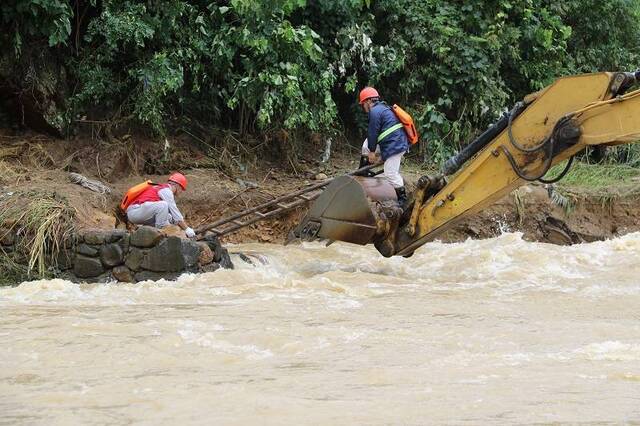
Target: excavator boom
(546,128)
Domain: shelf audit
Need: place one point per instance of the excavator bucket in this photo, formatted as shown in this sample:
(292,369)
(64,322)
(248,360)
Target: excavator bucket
(348,210)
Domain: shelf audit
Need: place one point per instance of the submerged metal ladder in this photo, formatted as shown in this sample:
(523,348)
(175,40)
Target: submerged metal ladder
(271,209)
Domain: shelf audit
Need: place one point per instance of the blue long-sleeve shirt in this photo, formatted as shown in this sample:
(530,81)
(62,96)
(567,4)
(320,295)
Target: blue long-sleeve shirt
(381,117)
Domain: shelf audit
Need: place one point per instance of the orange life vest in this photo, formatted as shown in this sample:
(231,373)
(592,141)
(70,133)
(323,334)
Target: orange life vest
(137,192)
(407,123)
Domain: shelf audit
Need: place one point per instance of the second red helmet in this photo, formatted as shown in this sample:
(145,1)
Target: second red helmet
(368,93)
(179,179)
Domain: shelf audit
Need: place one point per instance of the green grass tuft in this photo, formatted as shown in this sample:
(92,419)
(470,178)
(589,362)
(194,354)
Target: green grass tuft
(598,176)
(43,222)
(13,268)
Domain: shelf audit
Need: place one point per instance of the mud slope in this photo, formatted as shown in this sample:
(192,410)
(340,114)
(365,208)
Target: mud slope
(36,164)
(535,210)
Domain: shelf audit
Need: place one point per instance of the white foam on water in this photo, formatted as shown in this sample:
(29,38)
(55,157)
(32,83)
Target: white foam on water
(478,332)
(42,291)
(610,351)
(209,340)
(506,265)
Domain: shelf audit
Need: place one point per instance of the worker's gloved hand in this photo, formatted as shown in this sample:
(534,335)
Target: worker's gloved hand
(190,232)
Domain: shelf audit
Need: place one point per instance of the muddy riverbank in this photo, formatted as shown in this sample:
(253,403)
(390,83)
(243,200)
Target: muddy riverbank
(34,166)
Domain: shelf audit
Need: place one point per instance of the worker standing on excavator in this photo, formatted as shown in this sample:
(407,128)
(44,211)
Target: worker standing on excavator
(386,139)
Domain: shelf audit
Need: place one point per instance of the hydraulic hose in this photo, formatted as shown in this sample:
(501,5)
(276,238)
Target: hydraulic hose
(548,145)
(521,174)
(561,175)
(454,163)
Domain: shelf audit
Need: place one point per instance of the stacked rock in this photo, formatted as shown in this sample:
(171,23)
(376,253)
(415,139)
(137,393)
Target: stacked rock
(145,254)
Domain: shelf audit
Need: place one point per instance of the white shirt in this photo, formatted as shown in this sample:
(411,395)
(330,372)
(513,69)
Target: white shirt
(166,194)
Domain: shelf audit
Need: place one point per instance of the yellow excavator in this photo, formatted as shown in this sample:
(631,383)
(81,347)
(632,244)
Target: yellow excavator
(544,129)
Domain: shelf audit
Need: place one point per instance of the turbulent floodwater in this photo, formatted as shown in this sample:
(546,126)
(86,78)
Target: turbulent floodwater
(494,331)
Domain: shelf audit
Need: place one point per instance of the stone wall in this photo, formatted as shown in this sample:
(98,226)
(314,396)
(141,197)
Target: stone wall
(144,254)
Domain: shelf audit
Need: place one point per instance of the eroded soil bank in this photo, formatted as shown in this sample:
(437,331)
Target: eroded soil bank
(33,164)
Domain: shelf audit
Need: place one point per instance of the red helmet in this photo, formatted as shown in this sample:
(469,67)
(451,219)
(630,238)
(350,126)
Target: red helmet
(179,179)
(368,93)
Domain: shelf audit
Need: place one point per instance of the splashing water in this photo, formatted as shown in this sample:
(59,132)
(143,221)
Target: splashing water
(491,331)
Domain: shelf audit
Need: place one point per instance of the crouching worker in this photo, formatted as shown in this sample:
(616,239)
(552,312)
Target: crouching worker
(386,139)
(155,205)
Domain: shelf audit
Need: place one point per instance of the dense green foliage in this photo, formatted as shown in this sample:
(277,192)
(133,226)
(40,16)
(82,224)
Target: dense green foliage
(261,65)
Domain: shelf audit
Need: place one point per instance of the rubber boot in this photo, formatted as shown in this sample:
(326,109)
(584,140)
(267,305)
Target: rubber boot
(402,196)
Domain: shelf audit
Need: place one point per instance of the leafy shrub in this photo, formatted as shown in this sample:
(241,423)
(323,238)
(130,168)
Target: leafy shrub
(261,66)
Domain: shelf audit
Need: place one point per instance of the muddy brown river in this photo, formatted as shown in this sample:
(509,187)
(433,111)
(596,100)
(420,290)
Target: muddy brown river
(498,331)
